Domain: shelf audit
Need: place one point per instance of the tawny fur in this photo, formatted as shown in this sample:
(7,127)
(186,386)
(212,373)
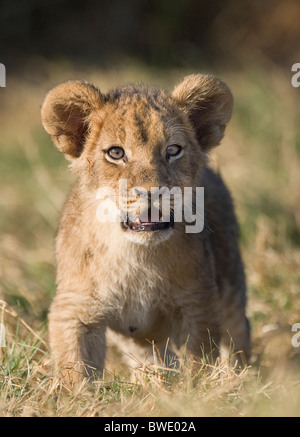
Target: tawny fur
(169,287)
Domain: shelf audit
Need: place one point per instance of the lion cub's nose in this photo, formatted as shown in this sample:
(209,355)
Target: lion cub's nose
(141,191)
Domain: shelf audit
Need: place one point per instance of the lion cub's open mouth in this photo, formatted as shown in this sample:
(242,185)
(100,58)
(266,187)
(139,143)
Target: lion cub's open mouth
(137,225)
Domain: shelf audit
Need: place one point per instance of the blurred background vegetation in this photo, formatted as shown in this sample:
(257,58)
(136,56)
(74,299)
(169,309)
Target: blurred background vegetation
(252,46)
(165,33)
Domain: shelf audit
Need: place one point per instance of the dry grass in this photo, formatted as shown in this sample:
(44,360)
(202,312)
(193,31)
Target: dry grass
(259,160)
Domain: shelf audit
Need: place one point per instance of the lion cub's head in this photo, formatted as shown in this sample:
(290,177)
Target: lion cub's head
(150,140)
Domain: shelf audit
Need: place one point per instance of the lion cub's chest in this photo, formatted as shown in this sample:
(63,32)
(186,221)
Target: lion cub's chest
(139,294)
(138,312)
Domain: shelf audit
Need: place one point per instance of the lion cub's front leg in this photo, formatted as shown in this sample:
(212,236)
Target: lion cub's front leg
(77,344)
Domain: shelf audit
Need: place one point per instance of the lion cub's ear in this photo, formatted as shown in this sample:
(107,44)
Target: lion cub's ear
(66,115)
(208,103)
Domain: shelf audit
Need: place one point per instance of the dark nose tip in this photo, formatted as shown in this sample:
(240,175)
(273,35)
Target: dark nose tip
(141,191)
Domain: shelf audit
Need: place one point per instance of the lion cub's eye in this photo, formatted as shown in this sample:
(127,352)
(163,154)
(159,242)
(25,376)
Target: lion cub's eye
(116,153)
(173,150)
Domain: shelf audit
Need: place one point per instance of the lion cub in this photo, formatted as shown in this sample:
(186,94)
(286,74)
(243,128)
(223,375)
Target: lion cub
(146,278)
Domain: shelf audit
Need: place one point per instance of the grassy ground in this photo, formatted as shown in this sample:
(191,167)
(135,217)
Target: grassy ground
(260,162)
